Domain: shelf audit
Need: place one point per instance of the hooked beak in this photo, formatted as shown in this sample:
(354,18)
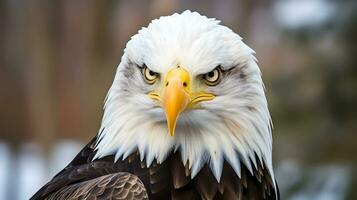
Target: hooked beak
(177,96)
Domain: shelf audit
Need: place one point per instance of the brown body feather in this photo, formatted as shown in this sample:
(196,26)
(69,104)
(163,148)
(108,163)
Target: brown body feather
(130,179)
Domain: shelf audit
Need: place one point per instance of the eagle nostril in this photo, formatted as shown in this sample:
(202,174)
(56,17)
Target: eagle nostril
(167,83)
(184,84)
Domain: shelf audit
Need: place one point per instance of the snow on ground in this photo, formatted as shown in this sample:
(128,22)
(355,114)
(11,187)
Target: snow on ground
(31,171)
(22,174)
(331,182)
(4,169)
(326,182)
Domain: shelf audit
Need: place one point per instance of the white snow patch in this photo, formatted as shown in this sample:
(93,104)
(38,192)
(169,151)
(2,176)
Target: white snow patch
(5,164)
(31,170)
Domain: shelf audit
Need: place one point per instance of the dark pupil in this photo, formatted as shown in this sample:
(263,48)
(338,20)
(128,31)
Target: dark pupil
(211,74)
(151,73)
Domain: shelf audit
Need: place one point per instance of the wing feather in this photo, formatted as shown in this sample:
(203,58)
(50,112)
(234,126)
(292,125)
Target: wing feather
(118,186)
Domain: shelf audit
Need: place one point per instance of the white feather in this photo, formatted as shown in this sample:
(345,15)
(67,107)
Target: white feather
(223,129)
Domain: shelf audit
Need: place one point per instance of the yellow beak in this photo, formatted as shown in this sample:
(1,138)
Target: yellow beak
(175,96)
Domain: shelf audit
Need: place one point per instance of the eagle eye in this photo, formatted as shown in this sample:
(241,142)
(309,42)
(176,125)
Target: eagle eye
(149,75)
(213,77)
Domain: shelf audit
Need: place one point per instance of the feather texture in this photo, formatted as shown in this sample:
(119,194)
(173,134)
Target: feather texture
(120,186)
(127,179)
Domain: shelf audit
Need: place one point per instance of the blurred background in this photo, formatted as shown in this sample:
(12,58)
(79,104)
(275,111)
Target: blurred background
(58,58)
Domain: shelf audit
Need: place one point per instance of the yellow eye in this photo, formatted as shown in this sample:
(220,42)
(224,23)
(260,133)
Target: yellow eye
(213,77)
(149,76)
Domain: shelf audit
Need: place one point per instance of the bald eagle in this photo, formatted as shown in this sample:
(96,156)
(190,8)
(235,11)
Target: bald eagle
(185,118)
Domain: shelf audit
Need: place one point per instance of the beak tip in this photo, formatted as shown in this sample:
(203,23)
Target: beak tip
(171,129)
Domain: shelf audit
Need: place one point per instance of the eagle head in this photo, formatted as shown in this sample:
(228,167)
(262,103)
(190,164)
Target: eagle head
(188,84)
